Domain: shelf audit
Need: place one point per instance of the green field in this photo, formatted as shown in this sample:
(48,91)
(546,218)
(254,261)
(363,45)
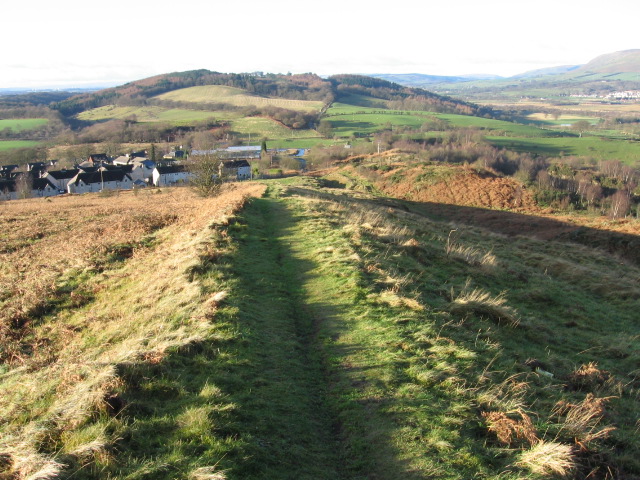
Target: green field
(13,144)
(22,124)
(236,97)
(349,119)
(600,148)
(267,127)
(146,114)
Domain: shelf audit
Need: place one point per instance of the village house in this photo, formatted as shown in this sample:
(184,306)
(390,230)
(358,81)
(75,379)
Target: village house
(239,169)
(7,189)
(98,158)
(36,168)
(143,170)
(7,170)
(42,187)
(60,178)
(170,175)
(85,182)
(26,186)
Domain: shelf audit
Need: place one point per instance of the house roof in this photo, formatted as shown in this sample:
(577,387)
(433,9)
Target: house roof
(235,163)
(162,170)
(101,176)
(115,168)
(147,163)
(249,148)
(63,174)
(122,159)
(42,183)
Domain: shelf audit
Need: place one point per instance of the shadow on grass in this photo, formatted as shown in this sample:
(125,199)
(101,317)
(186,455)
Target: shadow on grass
(255,400)
(623,245)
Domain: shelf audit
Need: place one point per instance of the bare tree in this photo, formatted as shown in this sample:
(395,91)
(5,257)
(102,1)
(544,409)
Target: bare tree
(620,203)
(206,178)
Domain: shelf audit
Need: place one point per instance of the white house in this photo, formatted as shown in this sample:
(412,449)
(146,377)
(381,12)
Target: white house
(100,180)
(167,176)
(60,178)
(43,187)
(27,186)
(143,170)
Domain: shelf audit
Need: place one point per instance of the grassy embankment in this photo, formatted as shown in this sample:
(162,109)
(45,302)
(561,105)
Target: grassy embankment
(326,333)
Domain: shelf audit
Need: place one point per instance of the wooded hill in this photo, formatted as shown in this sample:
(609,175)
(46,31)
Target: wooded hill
(296,87)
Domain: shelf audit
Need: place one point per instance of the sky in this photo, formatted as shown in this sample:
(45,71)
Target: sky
(78,43)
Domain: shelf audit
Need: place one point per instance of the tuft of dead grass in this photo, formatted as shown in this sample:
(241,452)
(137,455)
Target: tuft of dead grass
(509,430)
(548,459)
(589,377)
(582,421)
(483,304)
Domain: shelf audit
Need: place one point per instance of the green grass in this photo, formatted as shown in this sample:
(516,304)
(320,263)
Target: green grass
(345,336)
(13,144)
(147,114)
(22,124)
(348,120)
(267,127)
(236,97)
(600,148)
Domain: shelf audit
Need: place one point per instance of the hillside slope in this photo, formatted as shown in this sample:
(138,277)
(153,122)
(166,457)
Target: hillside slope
(625,61)
(321,333)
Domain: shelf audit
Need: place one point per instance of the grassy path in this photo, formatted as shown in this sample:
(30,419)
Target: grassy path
(278,380)
(312,379)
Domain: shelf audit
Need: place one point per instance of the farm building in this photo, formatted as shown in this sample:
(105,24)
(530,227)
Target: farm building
(99,180)
(241,152)
(172,175)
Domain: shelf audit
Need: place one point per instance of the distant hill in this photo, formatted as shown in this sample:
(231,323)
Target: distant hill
(602,75)
(547,71)
(626,61)
(305,87)
(419,79)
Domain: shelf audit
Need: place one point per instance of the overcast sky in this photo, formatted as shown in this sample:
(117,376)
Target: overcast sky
(77,43)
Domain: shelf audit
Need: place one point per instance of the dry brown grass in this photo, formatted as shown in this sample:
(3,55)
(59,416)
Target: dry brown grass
(65,363)
(549,460)
(589,377)
(582,421)
(510,430)
(482,303)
